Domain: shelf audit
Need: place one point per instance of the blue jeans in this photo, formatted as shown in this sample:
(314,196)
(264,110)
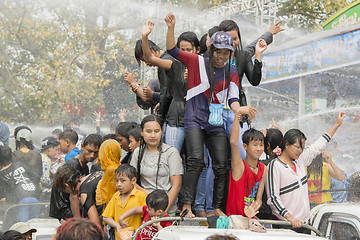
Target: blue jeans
(228,117)
(204,190)
(25,213)
(174,136)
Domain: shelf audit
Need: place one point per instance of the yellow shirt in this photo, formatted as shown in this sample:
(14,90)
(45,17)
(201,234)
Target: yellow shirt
(115,208)
(322,182)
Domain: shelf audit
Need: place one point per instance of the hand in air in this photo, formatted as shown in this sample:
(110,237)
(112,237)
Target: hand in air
(147,28)
(274,29)
(248,110)
(170,20)
(129,78)
(261,46)
(340,118)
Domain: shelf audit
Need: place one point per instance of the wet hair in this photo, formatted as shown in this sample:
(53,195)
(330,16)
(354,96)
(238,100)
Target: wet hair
(203,47)
(79,228)
(5,156)
(56,132)
(291,137)
(139,51)
(315,167)
(22,142)
(135,133)
(94,139)
(143,146)
(213,30)
(252,135)
(126,169)
(188,37)
(157,200)
(124,128)
(273,137)
(230,25)
(70,135)
(13,235)
(109,136)
(221,237)
(66,174)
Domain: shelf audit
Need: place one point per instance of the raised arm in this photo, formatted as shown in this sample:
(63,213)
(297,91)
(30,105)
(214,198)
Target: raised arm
(334,170)
(149,58)
(338,123)
(170,36)
(237,164)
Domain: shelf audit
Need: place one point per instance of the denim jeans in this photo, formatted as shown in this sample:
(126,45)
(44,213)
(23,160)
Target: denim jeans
(25,213)
(228,117)
(174,136)
(205,187)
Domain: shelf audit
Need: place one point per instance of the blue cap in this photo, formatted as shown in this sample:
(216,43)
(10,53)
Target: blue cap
(222,40)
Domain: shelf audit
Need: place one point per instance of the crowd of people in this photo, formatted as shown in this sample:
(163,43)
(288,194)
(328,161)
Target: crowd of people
(196,154)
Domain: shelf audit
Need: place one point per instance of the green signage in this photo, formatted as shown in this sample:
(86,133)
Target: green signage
(350,15)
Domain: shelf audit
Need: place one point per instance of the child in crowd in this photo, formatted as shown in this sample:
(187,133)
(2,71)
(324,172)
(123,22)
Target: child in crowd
(247,176)
(156,204)
(134,137)
(126,198)
(68,140)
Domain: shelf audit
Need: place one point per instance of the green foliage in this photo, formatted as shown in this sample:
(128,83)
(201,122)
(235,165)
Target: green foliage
(55,54)
(310,13)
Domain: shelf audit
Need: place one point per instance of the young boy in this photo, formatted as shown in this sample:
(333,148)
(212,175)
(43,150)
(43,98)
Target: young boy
(156,204)
(68,140)
(126,198)
(247,176)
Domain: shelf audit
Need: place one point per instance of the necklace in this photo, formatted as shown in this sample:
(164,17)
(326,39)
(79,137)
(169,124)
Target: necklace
(253,167)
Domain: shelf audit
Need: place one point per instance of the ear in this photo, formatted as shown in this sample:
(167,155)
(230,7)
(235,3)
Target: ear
(245,146)
(160,212)
(82,146)
(133,180)
(197,50)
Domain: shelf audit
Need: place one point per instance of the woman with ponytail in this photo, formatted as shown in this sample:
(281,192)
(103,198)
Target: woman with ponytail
(159,165)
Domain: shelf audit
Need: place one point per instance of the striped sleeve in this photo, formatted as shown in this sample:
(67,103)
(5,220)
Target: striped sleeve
(273,183)
(314,149)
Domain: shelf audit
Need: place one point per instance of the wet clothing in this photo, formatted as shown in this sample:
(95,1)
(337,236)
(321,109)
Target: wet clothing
(288,191)
(243,191)
(18,182)
(32,162)
(149,232)
(198,89)
(74,162)
(318,183)
(89,187)
(115,208)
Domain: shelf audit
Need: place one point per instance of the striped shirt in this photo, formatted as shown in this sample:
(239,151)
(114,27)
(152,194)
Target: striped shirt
(198,89)
(288,191)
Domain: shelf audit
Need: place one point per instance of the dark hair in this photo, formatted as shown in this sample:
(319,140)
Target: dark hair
(143,146)
(79,228)
(109,136)
(56,132)
(13,235)
(221,237)
(66,174)
(127,170)
(114,123)
(292,136)
(135,133)
(157,200)
(212,74)
(124,128)
(213,30)
(203,47)
(252,134)
(70,135)
(188,37)
(139,51)
(230,25)
(273,137)
(315,167)
(22,142)
(94,139)
(5,156)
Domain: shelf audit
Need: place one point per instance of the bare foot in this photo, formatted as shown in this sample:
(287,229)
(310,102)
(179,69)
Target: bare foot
(188,207)
(201,213)
(219,213)
(210,214)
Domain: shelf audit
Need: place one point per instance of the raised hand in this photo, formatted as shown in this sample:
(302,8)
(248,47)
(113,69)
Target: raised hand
(340,118)
(170,20)
(147,28)
(261,46)
(327,156)
(274,29)
(248,110)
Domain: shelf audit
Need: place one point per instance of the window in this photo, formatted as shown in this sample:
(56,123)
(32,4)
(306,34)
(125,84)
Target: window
(343,231)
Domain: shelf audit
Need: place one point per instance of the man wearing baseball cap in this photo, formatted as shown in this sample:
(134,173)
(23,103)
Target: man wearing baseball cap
(24,229)
(49,149)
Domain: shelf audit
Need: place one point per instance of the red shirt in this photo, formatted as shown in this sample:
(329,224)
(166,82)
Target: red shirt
(243,191)
(149,232)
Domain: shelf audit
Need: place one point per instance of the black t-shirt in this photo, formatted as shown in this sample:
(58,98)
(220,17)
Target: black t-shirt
(89,187)
(17,182)
(74,162)
(32,162)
